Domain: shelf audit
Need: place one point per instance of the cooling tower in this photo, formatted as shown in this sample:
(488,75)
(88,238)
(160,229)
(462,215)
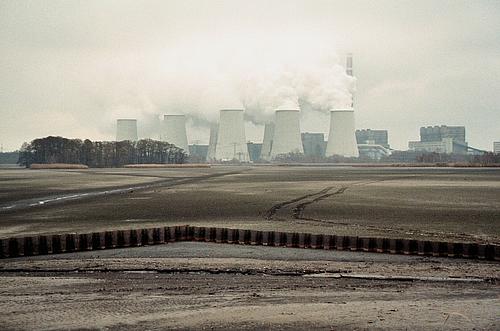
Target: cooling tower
(212,143)
(231,141)
(342,137)
(174,131)
(287,133)
(126,129)
(267,144)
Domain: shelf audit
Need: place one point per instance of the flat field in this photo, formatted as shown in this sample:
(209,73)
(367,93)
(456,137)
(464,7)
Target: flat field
(208,286)
(192,285)
(434,203)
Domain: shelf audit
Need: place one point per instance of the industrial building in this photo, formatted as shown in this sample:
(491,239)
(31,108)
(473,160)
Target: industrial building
(496,147)
(314,144)
(441,139)
(254,151)
(438,133)
(198,152)
(126,129)
(373,137)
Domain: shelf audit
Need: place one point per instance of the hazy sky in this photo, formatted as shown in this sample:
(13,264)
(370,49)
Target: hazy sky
(71,68)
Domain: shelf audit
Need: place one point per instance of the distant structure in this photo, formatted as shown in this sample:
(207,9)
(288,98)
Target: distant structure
(441,139)
(267,144)
(212,143)
(174,131)
(374,137)
(438,133)
(342,137)
(314,144)
(496,147)
(198,152)
(231,142)
(254,151)
(286,133)
(349,71)
(126,129)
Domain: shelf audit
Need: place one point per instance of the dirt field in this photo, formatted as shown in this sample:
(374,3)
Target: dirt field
(192,285)
(216,286)
(434,203)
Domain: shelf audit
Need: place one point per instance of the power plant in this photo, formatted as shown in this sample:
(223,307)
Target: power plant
(231,140)
(286,138)
(281,137)
(267,143)
(342,137)
(212,143)
(126,129)
(174,131)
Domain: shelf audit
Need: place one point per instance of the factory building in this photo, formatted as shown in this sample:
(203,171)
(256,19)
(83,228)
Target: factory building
(342,136)
(496,147)
(438,133)
(314,144)
(254,151)
(231,142)
(441,139)
(126,129)
(198,152)
(174,131)
(373,137)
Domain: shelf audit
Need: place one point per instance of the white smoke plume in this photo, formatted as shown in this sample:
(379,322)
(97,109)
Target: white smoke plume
(318,86)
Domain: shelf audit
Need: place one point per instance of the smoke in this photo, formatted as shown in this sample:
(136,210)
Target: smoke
(319,85)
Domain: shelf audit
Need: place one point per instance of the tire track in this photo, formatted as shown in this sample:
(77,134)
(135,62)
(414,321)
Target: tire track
(272,211)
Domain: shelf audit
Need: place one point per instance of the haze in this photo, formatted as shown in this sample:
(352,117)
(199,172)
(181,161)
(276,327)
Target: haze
(71,68)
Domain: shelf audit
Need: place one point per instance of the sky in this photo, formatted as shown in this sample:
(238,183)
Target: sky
(71,68)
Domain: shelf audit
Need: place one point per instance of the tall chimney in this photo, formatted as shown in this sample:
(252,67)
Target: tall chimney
(342,136)
(231,140)
(126,129)
(174,131)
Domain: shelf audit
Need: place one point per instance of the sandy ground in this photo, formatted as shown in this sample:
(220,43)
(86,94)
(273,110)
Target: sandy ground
(435,203)
(219,286)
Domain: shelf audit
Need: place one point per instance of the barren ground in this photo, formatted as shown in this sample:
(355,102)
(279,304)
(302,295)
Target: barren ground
(220,286)
(454,204)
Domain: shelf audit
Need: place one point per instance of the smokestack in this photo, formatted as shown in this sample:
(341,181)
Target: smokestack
(231,141)
(342,136)
(349,72)
(174,131)
(212,143)
(287,137)
(126,129)
(267,143)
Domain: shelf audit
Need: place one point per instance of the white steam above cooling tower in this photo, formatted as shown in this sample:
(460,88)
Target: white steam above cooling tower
(287,137)
(267,144)
(126,129)
(212,143)
(231,141)
(174,131)
(342,137)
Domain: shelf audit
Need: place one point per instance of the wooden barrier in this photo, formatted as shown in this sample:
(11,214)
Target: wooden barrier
(72,242)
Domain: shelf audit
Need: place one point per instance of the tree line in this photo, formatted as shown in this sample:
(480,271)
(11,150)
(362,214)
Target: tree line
(99,154)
